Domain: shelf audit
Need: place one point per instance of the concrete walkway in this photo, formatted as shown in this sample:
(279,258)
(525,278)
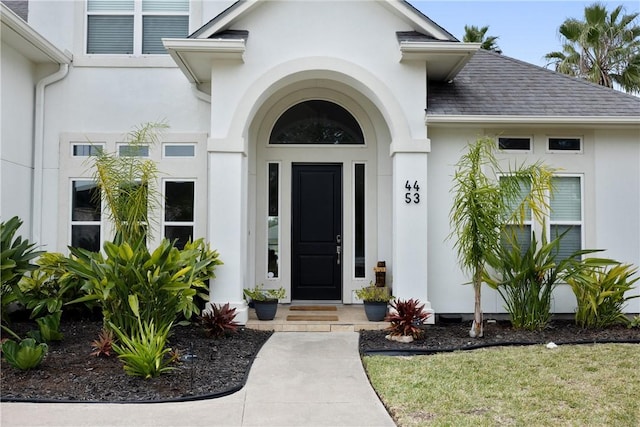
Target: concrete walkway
(298,379)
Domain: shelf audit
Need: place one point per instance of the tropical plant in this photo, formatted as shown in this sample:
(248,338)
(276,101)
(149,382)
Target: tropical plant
(48,328)
(604,48)
(483,206)
(473,34)
(259,293)
(526,277)
(128,185)
(16,260)
(406,317)
(168,278)
(24,355)
(635,322)
(219,321)
(103,346)
(374,293)
(600,293)
(143,351)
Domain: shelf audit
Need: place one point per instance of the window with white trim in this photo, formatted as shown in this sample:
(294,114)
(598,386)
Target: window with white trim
(521,232)
(134,27)
(86,215)
(359,220)
(86,150)
(564,144)
(566,214)
(273,220)
(179,211)
(514,143)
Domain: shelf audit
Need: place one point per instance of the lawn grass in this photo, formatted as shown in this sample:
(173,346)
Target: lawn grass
(585,385)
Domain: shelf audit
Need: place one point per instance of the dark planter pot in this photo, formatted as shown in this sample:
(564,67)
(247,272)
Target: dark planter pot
(375,311)
(266,310)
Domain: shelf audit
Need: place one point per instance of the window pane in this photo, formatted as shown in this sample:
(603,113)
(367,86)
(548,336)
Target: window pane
(85,201)
(86,150)
(165,5)
(179,201)
(86,237)
(524,189)
(565,144)
(179,150)
(273,226)
(180,233)
(110,34)
(154,28)
(571,242)
(133,150)
(566,199)
(316,122)
(359,190)
(522,236)
(109,5)
(514,143)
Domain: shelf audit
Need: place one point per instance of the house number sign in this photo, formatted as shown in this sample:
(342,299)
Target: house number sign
(413,192)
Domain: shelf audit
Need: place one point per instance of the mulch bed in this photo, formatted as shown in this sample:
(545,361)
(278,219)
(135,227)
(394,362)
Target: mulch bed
(69,373)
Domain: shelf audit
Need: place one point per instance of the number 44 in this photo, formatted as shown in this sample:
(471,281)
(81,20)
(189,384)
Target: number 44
(408,186)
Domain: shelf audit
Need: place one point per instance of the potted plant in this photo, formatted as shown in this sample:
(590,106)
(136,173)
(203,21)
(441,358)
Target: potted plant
(375,301)
(265,301)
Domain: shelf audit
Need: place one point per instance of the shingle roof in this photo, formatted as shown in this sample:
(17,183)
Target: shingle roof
(493,84)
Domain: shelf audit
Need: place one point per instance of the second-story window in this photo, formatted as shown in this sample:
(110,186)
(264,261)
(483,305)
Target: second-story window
(134,27)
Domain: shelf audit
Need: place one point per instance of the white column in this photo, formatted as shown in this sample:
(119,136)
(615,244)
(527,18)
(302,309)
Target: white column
(228,229)
(410,226)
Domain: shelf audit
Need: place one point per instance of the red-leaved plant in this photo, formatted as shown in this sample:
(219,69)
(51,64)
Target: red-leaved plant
(218,321)
(406,317)
(102,346)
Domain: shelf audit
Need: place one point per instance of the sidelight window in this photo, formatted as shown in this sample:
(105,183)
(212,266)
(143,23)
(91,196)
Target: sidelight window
(273,220)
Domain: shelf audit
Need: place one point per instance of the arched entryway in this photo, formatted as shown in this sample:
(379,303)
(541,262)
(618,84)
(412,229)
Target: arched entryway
(316,178)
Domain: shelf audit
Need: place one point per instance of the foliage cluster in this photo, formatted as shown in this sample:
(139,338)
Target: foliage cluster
(219,321)
(25,355)
(374,293)
(259,293)
(406,318)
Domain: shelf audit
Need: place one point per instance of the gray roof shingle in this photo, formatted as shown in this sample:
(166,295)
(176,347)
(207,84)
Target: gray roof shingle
(493,84)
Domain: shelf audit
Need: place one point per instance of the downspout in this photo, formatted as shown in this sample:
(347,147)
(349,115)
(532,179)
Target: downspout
(38,150)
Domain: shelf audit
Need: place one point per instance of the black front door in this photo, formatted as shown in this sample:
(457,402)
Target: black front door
(316,244)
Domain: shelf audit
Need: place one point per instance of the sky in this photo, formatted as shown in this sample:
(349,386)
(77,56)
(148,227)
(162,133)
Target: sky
(527,30)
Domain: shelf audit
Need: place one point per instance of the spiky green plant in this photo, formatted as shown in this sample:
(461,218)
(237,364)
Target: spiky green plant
(484,205)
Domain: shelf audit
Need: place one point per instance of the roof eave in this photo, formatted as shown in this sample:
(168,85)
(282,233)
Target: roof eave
(47,52)
(194,56)
(487,120)
(444,59)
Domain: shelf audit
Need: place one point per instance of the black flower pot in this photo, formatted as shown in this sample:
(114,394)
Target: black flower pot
(375,311)
(266,310)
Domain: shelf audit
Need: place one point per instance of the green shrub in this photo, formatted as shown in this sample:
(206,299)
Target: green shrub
(143,351)
(48,328)
(166,282)
(25,355)
(16,256)
(600,294)
(374,293)
(526,278)
(259,293)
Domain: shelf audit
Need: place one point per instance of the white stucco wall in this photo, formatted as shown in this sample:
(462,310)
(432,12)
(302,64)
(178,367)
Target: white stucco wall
(18,82)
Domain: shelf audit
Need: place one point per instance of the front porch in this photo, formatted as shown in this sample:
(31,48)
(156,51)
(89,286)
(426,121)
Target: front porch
(345,318)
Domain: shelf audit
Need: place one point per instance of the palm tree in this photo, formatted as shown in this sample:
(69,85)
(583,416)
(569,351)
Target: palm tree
(473,34)
(603,49)
(484,205)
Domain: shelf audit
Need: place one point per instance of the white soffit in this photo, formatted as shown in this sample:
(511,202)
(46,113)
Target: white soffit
(195,56)
(444,59)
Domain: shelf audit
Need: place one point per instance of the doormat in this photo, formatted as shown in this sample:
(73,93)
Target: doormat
(311,318)
(313,308)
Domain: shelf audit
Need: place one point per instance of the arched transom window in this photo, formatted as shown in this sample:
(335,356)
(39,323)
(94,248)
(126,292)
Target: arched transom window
(317,122)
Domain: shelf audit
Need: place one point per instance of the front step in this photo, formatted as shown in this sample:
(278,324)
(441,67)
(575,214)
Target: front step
(350,318)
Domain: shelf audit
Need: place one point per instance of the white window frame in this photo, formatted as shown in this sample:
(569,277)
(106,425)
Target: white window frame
(84,144)
(180,144)
(550,222)
(353,209)
(120,145)
(506,150)
(163,220)
(72,223)
(279,253)
(550,137)
(138,15)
